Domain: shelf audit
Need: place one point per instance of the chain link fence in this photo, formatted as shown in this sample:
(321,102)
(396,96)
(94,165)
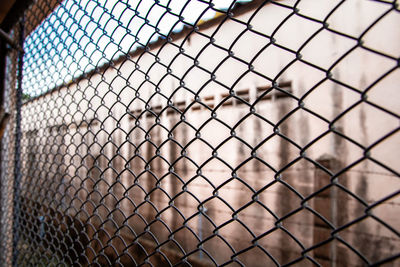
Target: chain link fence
(202,133)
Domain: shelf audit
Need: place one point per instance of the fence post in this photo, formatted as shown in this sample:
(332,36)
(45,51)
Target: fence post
(17,158)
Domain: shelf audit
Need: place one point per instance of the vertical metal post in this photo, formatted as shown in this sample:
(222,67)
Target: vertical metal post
(17,158)
(2,89)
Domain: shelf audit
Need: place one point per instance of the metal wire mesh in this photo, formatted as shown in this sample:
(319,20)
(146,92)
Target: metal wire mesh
(203,133)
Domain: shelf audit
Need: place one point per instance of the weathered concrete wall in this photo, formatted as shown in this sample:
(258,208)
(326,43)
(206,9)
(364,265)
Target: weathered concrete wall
(127,166)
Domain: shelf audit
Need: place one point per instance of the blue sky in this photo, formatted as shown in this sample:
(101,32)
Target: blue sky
(81,35)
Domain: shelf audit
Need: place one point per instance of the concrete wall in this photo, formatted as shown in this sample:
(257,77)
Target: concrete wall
(125,166)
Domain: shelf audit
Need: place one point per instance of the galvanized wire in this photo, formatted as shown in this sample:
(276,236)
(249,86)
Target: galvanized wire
(203,133)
